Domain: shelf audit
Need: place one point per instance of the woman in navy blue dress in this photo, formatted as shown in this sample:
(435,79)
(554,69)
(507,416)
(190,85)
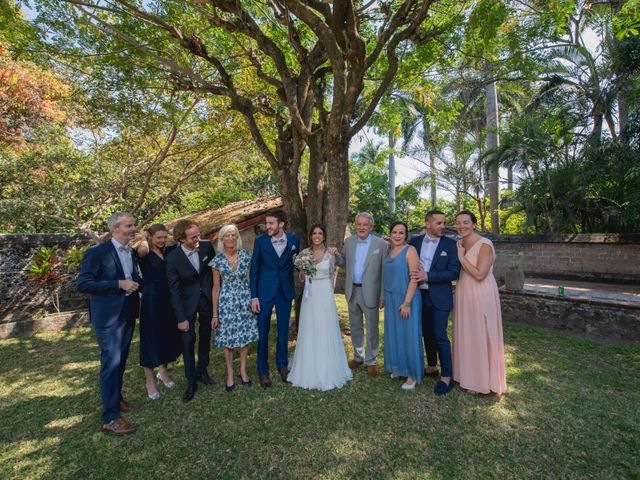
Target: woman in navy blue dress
(158,331)
(403,354)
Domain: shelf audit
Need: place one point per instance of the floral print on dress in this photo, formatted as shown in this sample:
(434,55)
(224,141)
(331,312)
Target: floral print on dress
(238,326)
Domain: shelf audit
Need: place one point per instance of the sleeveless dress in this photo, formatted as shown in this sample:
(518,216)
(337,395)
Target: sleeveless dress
(478,348)
(319,361)
(238,326)
(403,349)
(159,338)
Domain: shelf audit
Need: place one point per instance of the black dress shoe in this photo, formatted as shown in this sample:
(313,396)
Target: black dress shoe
(284,374)
(230,388)
(442,388)
(265,381)
(190,392)
(205,378)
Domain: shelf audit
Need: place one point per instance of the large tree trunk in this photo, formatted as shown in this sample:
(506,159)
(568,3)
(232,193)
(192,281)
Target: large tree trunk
(317,186)
(492,143)
(288,158)
(336,205)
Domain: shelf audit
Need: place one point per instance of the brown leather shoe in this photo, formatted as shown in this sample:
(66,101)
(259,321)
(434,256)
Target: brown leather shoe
(118,427)
(372,371)
(354,364)
(284,374)
(126,407)
(265,381)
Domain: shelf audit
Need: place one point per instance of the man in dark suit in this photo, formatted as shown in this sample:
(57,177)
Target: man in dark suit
(109,275)
(190,284)
(439,266)
(271,280)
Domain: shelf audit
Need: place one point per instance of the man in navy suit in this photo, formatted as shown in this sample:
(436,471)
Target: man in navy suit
(439,266)
(109,275)
(271,280)
(190,284)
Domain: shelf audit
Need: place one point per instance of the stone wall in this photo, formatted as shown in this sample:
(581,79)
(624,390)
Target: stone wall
(20,300)
(594,319)
(595,257)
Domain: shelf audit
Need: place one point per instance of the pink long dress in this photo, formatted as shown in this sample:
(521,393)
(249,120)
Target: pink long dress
(478,348)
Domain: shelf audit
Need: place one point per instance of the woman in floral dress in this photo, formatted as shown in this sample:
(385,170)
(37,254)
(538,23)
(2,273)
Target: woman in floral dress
(237,325)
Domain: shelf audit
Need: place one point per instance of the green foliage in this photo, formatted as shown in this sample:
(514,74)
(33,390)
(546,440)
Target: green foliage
(627,22)
(44,267)
(73,258)
(610,173)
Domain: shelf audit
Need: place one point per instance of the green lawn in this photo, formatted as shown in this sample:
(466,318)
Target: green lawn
(571,412)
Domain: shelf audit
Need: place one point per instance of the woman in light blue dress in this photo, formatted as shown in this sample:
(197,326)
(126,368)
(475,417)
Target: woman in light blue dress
(236,325)
(403,351)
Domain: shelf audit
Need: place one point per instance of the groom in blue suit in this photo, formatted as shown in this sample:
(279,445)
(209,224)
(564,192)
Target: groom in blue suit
(271,280)
(439,266)
(109,274)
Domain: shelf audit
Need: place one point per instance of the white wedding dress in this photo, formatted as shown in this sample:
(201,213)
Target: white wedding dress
(319,361)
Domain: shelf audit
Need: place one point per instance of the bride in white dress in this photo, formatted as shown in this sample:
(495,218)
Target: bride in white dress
(319,361)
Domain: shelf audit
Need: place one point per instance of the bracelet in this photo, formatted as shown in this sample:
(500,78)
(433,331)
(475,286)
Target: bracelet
(406,304)
(215,316)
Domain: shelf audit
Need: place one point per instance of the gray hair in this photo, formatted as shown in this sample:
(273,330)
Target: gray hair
(222,232)
(114,219)
(366,215)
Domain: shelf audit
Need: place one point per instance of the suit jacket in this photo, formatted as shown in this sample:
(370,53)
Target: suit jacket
(185,284)
(372,274)
(445,268)
(100,273)
(270,272)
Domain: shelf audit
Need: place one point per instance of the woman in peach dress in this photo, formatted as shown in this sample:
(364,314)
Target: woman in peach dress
(478,348)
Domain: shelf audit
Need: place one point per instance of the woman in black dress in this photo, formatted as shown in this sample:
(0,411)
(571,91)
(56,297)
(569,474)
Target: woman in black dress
(158,332)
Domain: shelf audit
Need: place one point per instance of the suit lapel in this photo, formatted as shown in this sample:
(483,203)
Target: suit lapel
(369,253)
(184,257)
(201,265)
(419,244)
(116,258)
(436,254)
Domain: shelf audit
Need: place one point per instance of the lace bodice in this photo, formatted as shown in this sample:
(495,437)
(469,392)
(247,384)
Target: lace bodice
(326,268)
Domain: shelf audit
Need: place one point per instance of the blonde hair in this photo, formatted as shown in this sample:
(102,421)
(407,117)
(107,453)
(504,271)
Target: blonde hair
(222,232)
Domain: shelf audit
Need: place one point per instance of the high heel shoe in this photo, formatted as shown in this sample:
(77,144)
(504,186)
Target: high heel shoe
(247,383)
(154,395)
(230,388)
(169,384)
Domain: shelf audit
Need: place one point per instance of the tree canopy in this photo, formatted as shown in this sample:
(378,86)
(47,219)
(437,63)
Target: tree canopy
(166,107)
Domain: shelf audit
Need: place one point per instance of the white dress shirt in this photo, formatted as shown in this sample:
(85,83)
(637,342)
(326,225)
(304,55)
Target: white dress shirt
(362,248)
(192,255)
(279,243)
(124,254)
(429,246)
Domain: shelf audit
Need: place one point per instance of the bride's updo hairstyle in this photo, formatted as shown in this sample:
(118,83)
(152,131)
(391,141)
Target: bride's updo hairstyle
(324,233)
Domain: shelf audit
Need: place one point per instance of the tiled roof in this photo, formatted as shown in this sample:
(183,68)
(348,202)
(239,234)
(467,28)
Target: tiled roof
(244,214)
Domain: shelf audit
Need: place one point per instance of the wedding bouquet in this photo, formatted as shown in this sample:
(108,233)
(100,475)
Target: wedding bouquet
(304,263)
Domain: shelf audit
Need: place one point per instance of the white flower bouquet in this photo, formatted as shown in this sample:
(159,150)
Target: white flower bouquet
(304,263)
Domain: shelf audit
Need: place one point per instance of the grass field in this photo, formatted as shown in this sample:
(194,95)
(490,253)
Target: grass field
(571,412)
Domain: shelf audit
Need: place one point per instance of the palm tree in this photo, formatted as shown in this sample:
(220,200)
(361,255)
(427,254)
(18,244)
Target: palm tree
(423,106)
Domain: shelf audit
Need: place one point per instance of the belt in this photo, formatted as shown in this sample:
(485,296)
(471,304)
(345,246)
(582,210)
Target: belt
(357,284)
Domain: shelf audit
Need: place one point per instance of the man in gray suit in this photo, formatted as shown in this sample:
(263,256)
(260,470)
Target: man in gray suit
(362,257)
